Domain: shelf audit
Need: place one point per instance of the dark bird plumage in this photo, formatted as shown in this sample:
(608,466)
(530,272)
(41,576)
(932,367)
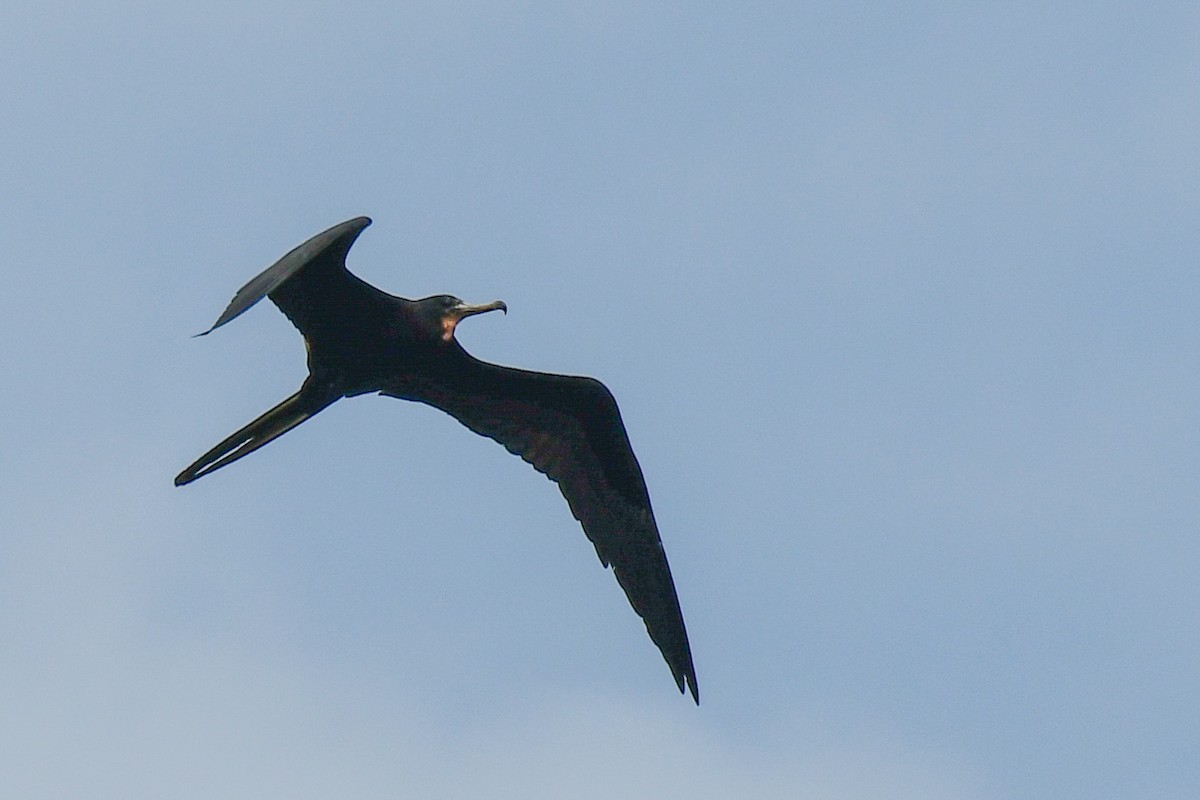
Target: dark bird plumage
(361,339)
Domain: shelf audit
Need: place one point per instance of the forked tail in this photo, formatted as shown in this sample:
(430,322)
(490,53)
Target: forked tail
(274,423)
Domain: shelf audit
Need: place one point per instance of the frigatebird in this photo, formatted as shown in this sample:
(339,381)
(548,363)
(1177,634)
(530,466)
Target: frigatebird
(361,339)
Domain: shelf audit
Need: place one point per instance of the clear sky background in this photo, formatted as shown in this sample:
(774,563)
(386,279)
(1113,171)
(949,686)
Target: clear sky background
(899,302)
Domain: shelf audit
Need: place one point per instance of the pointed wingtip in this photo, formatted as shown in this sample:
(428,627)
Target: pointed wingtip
(687,683)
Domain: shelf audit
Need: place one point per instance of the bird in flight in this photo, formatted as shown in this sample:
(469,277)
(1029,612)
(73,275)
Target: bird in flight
(361,339)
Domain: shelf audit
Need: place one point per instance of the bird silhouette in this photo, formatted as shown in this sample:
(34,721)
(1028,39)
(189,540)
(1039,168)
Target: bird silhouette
(361,339)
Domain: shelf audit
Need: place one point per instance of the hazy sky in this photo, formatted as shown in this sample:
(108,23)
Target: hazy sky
(899,302)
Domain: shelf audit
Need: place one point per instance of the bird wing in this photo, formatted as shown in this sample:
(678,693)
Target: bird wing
(322,258)
(570,429)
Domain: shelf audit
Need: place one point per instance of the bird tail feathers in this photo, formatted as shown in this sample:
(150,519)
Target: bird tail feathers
(271,425)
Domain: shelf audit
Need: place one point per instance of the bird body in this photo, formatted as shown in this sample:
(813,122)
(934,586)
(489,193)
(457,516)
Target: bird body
(361,339)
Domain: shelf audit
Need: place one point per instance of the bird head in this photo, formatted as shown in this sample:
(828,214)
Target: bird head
(446,311)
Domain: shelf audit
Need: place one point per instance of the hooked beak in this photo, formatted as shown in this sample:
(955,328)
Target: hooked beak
(467,310)
(464,310)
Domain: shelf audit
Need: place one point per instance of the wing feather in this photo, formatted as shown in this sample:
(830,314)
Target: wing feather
(570,429)
(322,256)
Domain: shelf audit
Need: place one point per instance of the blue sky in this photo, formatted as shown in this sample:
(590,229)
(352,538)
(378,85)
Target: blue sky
(899,305)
